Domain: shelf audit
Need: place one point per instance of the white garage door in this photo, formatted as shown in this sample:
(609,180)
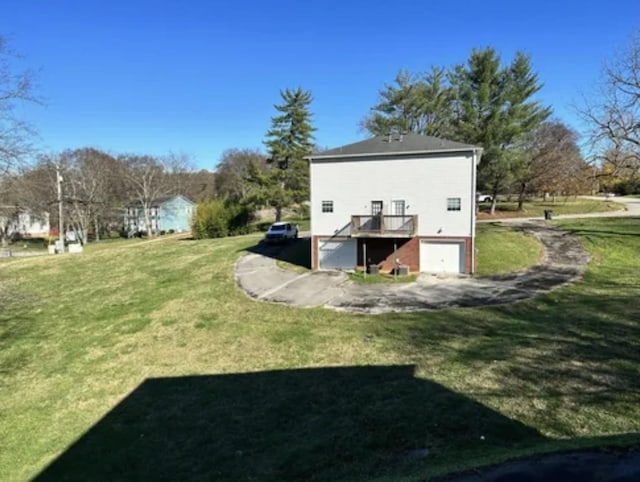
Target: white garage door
(334,254)
(441,257)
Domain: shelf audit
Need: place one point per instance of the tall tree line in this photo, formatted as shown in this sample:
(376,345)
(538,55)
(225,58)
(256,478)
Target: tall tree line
(96,186)
(612,113)
(490,104)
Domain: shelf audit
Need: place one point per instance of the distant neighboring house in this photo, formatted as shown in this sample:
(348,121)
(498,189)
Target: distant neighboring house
(24,222)
(166,213)
(398,199)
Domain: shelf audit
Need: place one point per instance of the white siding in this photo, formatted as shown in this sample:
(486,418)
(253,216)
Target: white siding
(25,223)
(423,183)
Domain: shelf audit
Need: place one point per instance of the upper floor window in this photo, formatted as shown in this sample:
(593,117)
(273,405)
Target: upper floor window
(327,206)
(454,204)
(376,208)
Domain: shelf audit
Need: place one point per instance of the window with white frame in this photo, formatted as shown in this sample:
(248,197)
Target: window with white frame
(327,206)
(398,207)
(454,204)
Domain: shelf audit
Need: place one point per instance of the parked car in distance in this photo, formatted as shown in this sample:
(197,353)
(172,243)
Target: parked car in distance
(484,198)
(282,231)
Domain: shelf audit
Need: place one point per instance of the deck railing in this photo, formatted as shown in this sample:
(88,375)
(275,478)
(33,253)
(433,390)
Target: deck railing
(384,225)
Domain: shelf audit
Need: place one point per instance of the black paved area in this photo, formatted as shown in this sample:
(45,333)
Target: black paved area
(586,466)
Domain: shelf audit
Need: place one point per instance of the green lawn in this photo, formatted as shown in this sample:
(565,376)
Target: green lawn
(141,360)
(504,249)
(35,244)
(506,209)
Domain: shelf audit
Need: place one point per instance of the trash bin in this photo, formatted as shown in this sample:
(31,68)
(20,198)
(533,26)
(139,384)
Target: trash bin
(373,269)
(548,214)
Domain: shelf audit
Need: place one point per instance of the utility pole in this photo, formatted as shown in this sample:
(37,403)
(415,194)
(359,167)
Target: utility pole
(60,221)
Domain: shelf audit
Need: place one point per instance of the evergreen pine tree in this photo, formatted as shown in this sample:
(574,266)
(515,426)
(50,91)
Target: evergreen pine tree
(494,109)
(288,141)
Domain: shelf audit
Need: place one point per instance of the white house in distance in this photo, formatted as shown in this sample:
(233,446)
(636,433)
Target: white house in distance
(166,213)
(23,222)
(409,194)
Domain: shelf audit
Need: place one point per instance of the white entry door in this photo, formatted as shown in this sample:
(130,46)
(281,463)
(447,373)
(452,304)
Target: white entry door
(337,254)
(398,207)
(441,257)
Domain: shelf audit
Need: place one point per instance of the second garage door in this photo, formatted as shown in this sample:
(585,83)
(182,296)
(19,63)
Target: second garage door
(441,257)
(337,254)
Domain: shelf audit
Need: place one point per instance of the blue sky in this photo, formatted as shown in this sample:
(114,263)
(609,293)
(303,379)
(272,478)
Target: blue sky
(199,77)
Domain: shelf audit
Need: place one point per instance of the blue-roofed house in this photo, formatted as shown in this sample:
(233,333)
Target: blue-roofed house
(169,213)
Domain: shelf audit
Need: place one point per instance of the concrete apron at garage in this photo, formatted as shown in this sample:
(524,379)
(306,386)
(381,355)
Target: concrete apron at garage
(261,278)
(563,262)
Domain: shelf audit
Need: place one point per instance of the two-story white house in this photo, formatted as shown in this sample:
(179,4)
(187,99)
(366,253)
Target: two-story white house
(406,199)
(165,213)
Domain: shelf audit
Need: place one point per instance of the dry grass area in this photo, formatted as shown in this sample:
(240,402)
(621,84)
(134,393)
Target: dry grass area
(148,363)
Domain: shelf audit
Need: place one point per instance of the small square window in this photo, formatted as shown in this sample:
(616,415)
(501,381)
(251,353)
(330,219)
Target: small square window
(454,204)
(327,206)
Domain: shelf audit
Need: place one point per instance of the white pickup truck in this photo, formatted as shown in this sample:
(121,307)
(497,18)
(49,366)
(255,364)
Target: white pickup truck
(282,231)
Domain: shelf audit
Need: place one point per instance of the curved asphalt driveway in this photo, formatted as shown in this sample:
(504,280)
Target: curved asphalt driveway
(564,261)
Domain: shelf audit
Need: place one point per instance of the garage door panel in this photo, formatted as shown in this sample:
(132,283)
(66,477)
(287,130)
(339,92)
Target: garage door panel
(441,256)
(337,254)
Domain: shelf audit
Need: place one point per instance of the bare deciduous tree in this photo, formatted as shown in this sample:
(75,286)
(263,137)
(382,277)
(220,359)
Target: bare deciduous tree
(149,179)
(15,134)
(552,162)
(89,179)
(614,114)
(15,86)
(233,172)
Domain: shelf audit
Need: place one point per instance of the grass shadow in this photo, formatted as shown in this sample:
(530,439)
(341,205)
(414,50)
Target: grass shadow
(347,423)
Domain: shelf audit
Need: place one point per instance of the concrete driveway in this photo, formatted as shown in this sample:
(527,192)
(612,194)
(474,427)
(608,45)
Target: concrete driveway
(564,261)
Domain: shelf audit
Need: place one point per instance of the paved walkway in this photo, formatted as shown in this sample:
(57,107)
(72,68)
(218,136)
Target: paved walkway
(563,262)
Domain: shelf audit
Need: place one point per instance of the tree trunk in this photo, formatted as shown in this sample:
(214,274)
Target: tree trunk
(523,188)
(278,214)
(96,227)
(493,205)
(147,223)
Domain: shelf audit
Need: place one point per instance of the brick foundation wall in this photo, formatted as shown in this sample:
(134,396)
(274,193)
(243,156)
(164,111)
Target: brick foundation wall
(314,253)
(380,251)
(469,267)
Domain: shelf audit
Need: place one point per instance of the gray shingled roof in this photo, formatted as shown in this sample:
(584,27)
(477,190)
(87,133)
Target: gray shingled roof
(405,144)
